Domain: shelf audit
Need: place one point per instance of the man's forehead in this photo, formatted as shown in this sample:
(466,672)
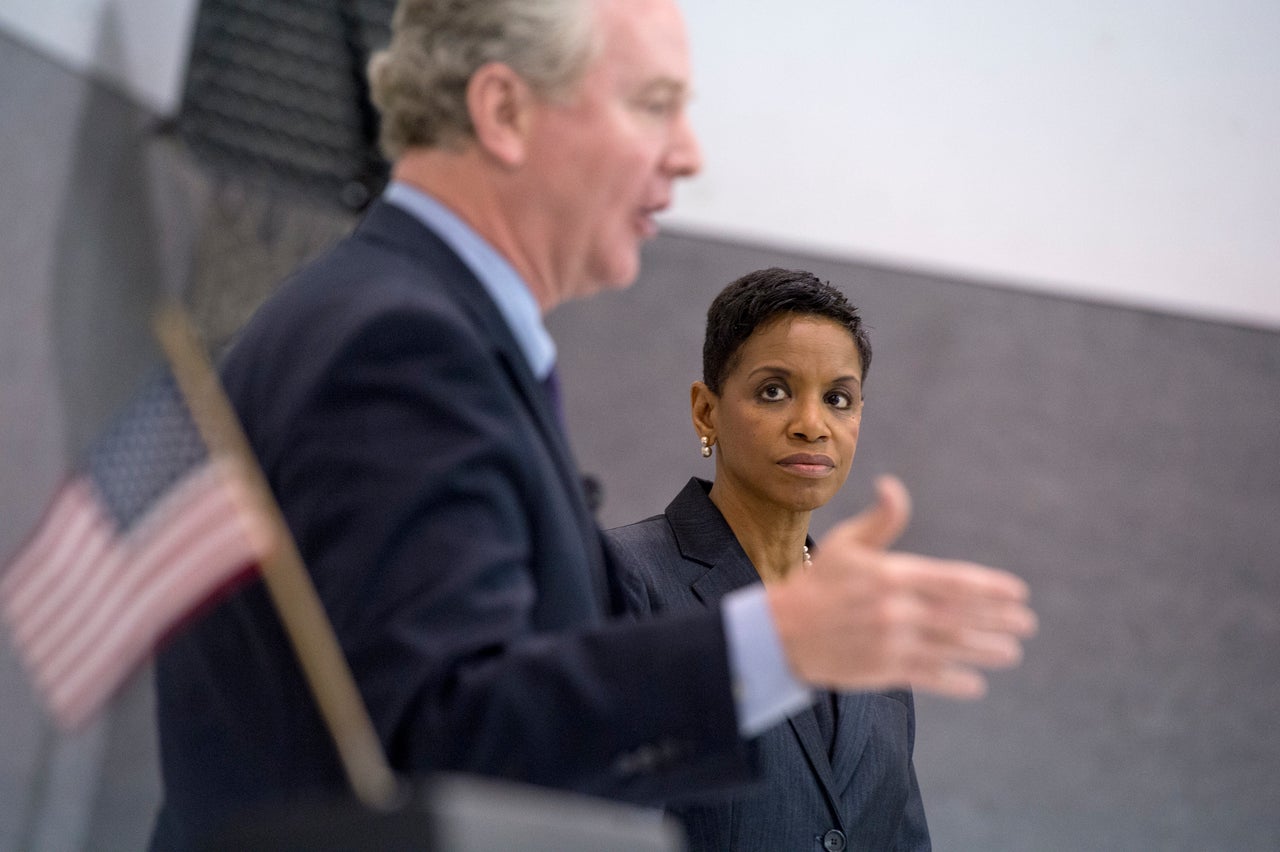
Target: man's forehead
(647,35)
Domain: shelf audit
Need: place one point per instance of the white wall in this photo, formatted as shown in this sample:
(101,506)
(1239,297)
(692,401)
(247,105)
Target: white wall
(140,46)
(1127,150)
(1124,150)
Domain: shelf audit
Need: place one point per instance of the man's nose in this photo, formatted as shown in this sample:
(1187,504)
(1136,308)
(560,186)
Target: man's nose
(684,158)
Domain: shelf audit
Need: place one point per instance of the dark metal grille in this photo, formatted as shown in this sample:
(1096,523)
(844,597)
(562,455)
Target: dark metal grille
(275,91)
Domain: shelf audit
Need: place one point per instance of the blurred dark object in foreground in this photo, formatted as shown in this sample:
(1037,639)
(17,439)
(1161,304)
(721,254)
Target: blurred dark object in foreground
(459,813)
(593,488)
(276,93)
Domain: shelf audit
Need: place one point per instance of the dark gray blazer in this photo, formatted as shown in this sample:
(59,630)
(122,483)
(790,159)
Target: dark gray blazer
(861,795)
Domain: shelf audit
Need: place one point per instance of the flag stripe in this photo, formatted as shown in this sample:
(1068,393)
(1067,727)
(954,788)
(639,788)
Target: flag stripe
(67,526)
(134,590)
(78,694)
(123,571)
(105,661)
(147,559)
(74,587)
(25,567)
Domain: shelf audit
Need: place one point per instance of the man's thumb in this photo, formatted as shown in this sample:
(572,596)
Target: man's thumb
(879,526)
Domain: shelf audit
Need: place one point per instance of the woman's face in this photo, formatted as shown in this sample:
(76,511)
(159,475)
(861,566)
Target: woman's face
(785,425)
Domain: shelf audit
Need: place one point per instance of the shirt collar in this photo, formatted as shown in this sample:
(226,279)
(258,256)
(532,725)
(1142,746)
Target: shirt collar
(498,277)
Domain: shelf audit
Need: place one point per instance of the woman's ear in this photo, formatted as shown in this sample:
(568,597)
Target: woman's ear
(500,104)
(702,403)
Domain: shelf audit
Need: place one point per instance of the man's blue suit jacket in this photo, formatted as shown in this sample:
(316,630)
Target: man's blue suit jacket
(436,504)
(858,793)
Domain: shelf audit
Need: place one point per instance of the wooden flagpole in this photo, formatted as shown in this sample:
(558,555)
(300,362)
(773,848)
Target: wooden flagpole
(288,583)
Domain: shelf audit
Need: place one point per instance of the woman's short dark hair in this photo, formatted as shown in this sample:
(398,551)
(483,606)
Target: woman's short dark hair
(760,296)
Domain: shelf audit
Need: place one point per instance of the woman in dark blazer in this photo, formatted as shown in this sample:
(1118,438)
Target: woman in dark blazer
(780,406)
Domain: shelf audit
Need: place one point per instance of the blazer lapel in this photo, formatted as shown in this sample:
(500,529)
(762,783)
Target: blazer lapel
(388,223)
(703,537)
(549,426)
(805,726)
(852,736)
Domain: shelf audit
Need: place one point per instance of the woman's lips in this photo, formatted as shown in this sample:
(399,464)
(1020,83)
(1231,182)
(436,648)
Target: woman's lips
(808,464)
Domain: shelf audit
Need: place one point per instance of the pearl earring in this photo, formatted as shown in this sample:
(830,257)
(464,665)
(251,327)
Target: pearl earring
(706,447)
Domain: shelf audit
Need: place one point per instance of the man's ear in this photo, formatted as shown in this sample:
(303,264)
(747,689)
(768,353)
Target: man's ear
(500,104)
(702,404)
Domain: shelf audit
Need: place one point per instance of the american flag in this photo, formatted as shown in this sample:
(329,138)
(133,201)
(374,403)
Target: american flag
(149,527)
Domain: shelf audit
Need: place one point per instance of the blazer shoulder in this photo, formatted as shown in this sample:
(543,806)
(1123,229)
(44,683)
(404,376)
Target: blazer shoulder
(640,536)
(364,316)
(651,568)
(631,552)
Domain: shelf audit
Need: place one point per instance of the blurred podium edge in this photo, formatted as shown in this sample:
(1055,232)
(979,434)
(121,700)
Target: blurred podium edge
(459,813)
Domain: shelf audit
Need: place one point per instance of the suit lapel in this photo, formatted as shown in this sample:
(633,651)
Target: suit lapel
(703,536)
(805,726)
(388,223)
(852,735)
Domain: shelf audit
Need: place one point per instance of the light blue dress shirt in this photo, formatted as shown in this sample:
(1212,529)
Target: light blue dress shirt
(765,690)
(498,277)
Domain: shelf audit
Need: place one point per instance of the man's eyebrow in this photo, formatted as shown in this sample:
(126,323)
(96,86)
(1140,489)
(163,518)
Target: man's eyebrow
(666,85)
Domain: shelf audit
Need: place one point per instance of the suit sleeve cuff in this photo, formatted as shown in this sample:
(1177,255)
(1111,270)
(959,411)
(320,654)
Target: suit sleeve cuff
(764,689)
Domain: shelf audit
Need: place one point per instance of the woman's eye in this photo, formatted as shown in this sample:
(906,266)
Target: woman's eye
(839,399)
(773,393)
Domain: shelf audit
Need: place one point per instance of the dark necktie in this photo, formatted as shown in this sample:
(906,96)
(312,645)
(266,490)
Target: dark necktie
(592,491)
(551,385)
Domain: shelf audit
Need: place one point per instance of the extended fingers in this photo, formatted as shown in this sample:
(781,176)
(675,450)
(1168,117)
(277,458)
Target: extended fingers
(946,623)
(870,619)
(956,581)
(953,665)
(925,631)
(978,615)
(950,681)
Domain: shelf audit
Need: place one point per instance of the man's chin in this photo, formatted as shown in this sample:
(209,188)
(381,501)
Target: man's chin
(622,273)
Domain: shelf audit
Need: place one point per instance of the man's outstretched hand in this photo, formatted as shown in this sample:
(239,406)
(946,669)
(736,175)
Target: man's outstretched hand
(863,617)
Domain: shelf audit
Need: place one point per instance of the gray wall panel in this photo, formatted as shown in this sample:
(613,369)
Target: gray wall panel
(1126,463)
